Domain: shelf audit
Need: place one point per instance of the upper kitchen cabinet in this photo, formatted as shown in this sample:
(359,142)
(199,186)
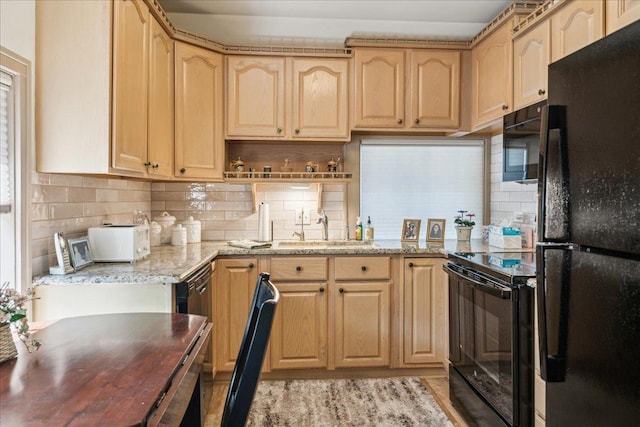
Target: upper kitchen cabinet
(574,25)
(199,140)
(160,129)
(492,77)
(92,102)
(130,84)
(620,13)
(383,87)
(531,57)
(379,86)
(287,98)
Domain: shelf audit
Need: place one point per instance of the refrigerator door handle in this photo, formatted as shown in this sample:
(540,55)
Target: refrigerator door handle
(552,336)
(553,185)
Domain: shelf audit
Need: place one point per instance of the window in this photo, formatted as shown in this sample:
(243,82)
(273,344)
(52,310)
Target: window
(421,179)
(14,198)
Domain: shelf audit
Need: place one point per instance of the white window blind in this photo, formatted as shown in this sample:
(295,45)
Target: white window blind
(6,165)
(420,180)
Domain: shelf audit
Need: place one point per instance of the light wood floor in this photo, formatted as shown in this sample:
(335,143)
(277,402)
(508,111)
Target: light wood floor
(438,386)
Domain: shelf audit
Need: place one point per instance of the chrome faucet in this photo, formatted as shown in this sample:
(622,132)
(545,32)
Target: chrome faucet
(324,220)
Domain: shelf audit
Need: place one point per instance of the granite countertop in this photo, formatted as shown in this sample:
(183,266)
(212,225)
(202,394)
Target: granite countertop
(173,264)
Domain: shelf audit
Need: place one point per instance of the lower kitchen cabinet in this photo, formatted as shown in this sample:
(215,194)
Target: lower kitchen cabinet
(424,304)
(234,284)
(299,332)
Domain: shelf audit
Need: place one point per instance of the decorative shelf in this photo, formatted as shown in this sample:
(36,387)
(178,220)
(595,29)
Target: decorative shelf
(267,177)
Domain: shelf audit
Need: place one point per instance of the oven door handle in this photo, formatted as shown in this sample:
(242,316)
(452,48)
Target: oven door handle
(495,289)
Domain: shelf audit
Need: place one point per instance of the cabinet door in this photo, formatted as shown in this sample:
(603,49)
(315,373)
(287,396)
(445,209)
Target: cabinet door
(531,57)
(299,333)
(435,89)
(492,77)
(161,103)
(379,88)
(620,13)
(234,283)
(576,25)
(361,324)
(130,79)
(320,98)
(199,133)
(255,97)
(424,311)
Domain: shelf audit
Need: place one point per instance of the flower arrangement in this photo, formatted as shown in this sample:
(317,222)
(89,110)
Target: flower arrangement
(462,222)
(13,312)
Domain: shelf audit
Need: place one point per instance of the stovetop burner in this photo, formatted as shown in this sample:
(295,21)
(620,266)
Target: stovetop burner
(511,267)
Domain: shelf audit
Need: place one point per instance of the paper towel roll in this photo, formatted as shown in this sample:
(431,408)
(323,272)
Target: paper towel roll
(264,229)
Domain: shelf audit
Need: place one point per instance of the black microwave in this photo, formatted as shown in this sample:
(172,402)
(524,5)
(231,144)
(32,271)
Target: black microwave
(521,143)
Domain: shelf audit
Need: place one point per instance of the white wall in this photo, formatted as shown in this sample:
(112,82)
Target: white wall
(18,27)
(508,197)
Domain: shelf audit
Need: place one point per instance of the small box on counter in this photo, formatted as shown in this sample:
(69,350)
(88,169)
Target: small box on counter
(504,231)
(505,242)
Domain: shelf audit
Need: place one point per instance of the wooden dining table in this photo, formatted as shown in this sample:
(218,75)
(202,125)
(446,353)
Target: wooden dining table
(134,369)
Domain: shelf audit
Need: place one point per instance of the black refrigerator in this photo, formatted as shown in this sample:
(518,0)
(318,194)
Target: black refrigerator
(588,254)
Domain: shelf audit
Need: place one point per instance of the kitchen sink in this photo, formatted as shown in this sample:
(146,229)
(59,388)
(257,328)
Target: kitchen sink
(326,244)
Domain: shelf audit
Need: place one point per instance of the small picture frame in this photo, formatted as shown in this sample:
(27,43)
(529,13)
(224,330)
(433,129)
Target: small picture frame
(410,230)
(435,230)
(80,251)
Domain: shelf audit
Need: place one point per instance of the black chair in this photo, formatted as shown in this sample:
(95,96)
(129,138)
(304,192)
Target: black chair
(245,375)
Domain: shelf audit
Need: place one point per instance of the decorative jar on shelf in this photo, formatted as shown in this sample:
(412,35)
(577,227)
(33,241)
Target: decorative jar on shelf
(463,233)
(464,224)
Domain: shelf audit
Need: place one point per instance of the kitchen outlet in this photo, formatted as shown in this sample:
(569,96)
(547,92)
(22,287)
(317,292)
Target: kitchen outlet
(302,217)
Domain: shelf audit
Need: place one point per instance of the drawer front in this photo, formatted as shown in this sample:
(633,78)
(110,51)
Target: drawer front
(359,268)
(298,268)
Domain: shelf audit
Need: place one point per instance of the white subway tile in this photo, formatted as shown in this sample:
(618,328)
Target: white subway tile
(65,180)
(65,210)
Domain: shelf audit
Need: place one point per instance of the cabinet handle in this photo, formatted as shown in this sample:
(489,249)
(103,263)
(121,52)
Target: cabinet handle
(505,107)
(321,290)
(341,290)
(298,268)
(399,121)
(155,166)
(183,170)
(417,121)
(363,268)
(278,130)
(297,131)
(147,164)
(410,265)
(542,92)
(250,265)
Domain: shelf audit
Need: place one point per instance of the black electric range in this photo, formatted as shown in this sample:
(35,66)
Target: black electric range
(491,337)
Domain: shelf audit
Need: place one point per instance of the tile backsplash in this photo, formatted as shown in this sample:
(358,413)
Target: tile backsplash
(508,197)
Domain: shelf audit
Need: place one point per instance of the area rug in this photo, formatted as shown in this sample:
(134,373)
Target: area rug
(359,402)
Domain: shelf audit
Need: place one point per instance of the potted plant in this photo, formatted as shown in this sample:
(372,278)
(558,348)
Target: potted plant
(464,225)
(13,313)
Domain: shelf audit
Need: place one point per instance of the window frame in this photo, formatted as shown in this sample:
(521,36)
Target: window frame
(21,71)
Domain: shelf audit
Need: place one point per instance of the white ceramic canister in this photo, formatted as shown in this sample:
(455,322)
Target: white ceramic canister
(156,234)
(166,221)
(179,235)
(194,228)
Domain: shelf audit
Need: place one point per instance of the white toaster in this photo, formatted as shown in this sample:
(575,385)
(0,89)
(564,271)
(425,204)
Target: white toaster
(120,243)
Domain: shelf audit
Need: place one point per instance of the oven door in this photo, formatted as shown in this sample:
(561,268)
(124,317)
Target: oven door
(481,337)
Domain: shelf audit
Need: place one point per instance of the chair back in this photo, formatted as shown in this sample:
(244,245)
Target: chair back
(246,372)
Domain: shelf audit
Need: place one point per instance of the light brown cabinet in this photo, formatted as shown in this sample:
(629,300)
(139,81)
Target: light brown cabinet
(362,304)
(492,77)
(576,24)
(234,284)
(299,333)
(199,136)
(160,129)
(131,23)
(424,312)
(620,13)
(427,97)
(531,57)
(287,98)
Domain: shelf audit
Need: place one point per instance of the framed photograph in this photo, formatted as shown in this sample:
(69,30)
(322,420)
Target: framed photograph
(80,252)
(411,230)
(435,230)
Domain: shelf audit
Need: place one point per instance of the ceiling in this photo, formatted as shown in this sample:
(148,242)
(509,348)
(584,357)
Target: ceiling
(328,22)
